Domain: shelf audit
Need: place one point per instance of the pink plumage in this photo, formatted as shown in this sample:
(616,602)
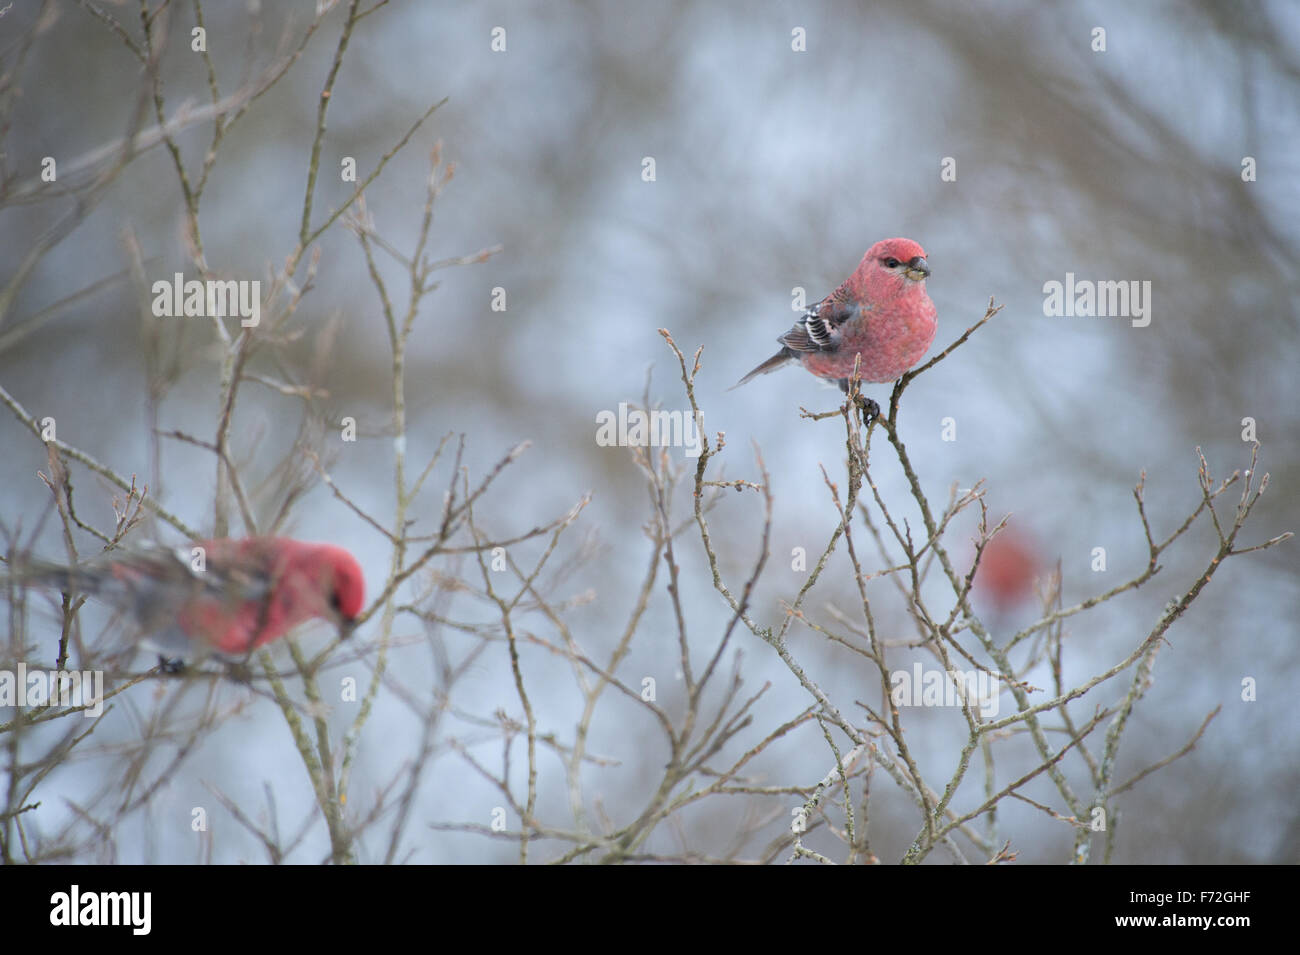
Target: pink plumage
(881,312)
(230,597)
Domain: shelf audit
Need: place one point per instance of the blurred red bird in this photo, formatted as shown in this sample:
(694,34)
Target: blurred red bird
(227,596)
(881,312)
(1007,571)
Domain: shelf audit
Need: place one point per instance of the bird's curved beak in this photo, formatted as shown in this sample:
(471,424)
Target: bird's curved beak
(918,269)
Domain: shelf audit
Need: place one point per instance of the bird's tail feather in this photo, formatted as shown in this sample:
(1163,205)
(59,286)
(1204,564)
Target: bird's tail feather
(772,364)
(43,574)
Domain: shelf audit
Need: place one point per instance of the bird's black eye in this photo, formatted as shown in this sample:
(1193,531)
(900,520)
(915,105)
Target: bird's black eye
(892,263)
(335,602)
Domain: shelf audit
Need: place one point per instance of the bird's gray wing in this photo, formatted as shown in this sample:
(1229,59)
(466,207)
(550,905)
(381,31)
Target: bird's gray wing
(818,328)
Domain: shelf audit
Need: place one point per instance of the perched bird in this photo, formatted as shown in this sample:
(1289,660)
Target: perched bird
(881,312)
(226,596)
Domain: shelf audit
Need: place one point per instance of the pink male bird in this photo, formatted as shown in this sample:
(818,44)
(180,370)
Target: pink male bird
(247,593)
(881,312)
